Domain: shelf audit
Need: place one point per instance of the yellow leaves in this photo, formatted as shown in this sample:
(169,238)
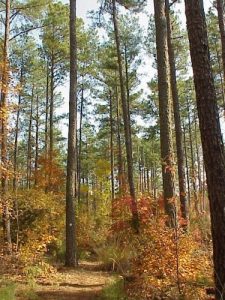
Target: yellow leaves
(102,168)
(42,223)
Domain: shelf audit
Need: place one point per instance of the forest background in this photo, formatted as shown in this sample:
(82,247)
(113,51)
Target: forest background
(132,201)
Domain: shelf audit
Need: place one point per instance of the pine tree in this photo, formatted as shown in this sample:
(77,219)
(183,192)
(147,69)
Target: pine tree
(212,143)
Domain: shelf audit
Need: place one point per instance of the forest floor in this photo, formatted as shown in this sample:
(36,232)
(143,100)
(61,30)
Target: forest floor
(83,283)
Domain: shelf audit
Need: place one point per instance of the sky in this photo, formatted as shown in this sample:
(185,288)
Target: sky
(83,6)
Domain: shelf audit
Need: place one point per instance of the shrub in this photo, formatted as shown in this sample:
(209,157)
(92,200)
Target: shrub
(171,263)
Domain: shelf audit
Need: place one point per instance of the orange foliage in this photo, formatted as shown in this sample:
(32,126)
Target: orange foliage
(50,174)
(169,262)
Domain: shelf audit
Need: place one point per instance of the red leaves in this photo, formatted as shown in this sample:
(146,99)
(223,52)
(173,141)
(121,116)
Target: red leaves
(123,208)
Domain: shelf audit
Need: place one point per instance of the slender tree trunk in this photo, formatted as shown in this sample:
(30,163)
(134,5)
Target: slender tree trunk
(148,181)
(4,131)
(222,80)
(220,10)
(71,247)
(176,110)
(29,146)
(127,88)
(164,110)
(111,147)
(80,145)
(51,115)
(186,164)
(36,141)
(87,178)
(15,162)
(154,182)
(203,188)
(46,124)
(119,146)
(17,134)
(139,170)
(193,171)
(145,179)
(127,132)
(198,155)
(142,170)
(212,142)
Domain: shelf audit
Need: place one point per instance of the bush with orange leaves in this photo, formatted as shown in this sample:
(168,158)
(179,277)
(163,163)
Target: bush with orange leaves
(170,263)
(166,263)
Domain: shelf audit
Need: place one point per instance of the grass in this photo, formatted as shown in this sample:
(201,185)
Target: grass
(114,291)
(7,291)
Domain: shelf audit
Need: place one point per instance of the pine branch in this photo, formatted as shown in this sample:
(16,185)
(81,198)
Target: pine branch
(26,31)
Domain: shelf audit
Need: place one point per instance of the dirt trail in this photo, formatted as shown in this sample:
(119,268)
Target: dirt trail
(84,283)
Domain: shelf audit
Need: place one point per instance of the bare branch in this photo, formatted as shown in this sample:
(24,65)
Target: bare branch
(172,3)
(26,31)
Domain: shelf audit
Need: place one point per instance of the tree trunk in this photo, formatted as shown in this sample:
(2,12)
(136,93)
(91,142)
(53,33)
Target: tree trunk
(127,89)
(111,147)
(119,146)
(17,134)
(46,124)
(36,141)
(51,125)
(148,180)
(186,165)
(198,156)
(220,10)
(164,110)
(220,73)
(212,143)
(127,132)
(71,248)
(176,110)
(4,131)
(29,146)
(15,162)
(193,171)
(80,145)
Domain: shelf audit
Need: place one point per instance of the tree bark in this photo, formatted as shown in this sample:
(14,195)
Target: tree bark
(126,120)
(29,146)
(164,110)
(46,124)
(15,152)
(119,146)
(193,171)
(212,143)
(71,247)
(51,125)
(111,147)
(36,141)
(198,157)
(176,111)
(4,131)
(186,164)
(127,89)
(80,145)
(221,75)
(15,162)
(220,10)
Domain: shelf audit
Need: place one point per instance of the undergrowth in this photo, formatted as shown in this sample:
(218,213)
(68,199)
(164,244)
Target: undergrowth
(114,291)
(7,291)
